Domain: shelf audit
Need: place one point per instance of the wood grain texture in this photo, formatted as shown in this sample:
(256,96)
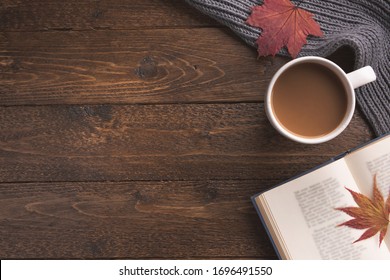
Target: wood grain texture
(43,15)
(152,66)
(202,219)
(135,129)
(159,142)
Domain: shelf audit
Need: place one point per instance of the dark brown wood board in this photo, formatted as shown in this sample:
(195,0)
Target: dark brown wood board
(136,130)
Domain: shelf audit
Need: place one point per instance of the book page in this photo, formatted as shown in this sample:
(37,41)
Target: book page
(367,162)
(304,216)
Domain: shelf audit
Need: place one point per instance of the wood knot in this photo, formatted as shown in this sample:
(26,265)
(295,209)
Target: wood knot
(141,198)
(8,64)
(147,68)
(211,194)
(104,112)
(97,14)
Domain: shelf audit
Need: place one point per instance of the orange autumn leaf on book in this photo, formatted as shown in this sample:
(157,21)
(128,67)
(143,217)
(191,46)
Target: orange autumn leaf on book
(372,215)
(282,24)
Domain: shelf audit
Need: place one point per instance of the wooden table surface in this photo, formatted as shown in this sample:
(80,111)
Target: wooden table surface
(136,129)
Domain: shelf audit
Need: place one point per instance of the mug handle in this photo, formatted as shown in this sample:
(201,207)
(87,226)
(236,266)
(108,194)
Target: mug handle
(361,76)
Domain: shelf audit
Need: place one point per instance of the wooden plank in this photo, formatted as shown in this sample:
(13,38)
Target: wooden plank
(91,14)
(207,219)
(150,66)
(155,142)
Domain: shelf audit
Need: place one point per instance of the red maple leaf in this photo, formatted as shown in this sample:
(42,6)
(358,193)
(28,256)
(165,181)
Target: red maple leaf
(283,24)
(372,215)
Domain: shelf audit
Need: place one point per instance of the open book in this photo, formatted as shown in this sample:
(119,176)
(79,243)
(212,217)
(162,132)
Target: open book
(300,214)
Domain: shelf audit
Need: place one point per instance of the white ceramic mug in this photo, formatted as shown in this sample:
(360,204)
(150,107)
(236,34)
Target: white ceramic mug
(350,81)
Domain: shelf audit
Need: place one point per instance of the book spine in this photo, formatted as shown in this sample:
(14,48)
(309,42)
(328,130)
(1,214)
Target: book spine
(265,227)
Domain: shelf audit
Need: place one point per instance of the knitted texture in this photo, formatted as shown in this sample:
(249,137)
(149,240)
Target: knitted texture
(363,25)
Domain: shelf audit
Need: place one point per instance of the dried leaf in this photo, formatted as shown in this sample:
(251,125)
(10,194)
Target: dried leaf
(283,24)
(372,215)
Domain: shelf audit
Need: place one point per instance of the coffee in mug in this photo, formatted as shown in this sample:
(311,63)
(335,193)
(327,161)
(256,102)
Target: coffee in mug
(309,100)
(312,100)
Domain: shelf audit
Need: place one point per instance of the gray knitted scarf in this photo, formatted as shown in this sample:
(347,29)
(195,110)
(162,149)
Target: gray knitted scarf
(364,25)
